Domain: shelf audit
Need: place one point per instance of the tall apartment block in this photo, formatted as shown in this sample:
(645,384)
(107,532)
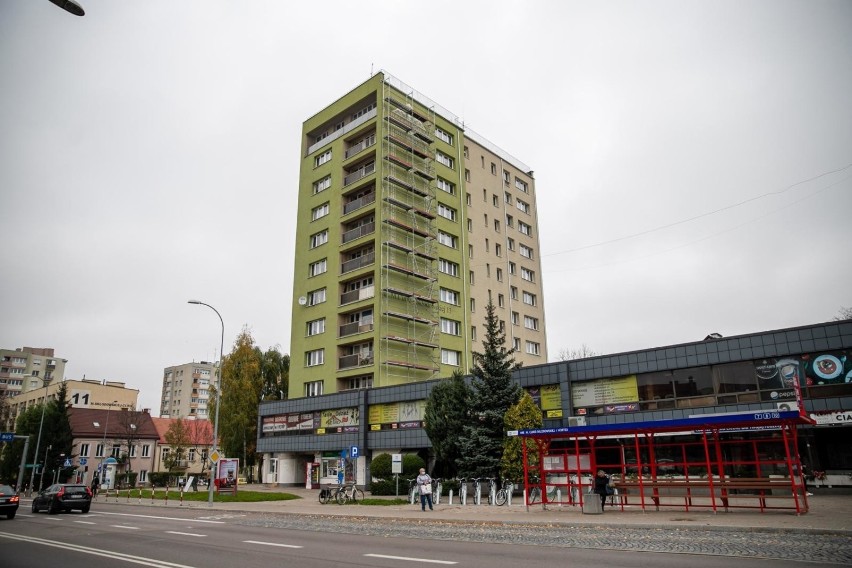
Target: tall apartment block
(28,368)
(186,390)
(407,224)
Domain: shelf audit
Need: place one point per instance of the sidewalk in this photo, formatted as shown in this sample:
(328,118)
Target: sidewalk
(828,513)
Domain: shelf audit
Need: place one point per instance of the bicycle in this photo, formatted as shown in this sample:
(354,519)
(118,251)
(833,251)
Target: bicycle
(325,495)
(462,489)
(477,491)
(413,491)
(349,491)
(505,493)
(492,490)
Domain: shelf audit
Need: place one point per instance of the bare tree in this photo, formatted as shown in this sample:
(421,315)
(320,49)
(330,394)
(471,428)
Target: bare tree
(582,353)
(844,314)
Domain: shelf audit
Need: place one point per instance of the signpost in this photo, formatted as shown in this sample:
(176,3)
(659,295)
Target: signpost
(7,436)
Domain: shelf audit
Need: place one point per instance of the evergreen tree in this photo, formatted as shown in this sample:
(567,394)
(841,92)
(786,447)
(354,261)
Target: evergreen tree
(275,370)
(525,414)
(446,414)
(493,393)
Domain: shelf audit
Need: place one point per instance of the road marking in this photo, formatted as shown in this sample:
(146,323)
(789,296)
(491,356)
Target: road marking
(163,518)
(272,544)
(96,552)
(411,559)
(125,527)
(185,534)
(86,522)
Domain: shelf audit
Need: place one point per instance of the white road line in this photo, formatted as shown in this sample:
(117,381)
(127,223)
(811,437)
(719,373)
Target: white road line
(185,534)
(125,527)
(410,559)
(164,518)
(272,544)
(86,522)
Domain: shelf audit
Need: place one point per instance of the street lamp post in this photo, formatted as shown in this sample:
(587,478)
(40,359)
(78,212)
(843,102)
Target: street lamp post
(218,404)
(38,440)
(102,468)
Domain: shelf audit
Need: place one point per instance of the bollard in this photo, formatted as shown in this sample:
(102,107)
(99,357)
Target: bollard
(166,501)
(128,495)
(181,497)
(152,494)
(559,496)
(450,497)
(140,495)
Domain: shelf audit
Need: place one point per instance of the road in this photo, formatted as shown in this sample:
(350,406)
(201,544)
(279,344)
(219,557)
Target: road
(113,535)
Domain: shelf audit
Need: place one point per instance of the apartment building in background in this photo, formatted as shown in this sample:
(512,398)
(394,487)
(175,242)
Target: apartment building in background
(27,368)
(186,390)
(408,224)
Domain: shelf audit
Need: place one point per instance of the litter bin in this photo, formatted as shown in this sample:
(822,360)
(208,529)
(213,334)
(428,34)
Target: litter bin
(592,505)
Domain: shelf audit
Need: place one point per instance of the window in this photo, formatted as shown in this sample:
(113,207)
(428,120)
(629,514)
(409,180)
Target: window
(520,184)
(510,243)
(516,344)
(524,228)
(450,327)
(444,185)
(99,451)
(363,111)
(449,357)
(526,251)
(473,333)
(146,450)
(314,358)
(143,476)
(527,274)
(498,250)
(513,268)
(446,212)
(516,318)
(320,238)
(466,152)
(315,327)
(487,244)
(132,451)
(472,305)
(467,175)
(444,136)
(485,218)
(510,221)
(318,267)
(501,301)
(471,277)
(499,274)
(495,201)
(313,388)
(529,299)
(470,251)
(448,267)
(84,450)
(316,297)
(442,158)
(449,296)
(523,206)
(469,225)
(322,184)
(319,211)
(507,197)
(531,323)
(322,158)
(513,292)
(493,169)
(533,348)
(448,240)
(497,225)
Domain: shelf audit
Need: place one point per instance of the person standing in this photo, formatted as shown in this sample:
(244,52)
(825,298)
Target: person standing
(602,486)
(424,482)
(95,483)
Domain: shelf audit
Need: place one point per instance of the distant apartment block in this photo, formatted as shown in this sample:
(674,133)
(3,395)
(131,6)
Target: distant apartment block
(28,368)
(186,390)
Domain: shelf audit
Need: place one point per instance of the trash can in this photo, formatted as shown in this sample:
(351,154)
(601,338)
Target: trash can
(592,505)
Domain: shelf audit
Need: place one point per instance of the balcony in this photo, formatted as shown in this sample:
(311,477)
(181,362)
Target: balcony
(360,146)
(356,263)
(361,172)
(351,296)
(356,204)
(358,232)
(353,328)
(356,360)
(341,131)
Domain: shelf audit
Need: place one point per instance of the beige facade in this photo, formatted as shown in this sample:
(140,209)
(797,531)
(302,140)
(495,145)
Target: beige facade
(26,368)
(185,390)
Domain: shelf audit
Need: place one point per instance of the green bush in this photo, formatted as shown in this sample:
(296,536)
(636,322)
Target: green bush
(380,467)
(386,487)
(411,464)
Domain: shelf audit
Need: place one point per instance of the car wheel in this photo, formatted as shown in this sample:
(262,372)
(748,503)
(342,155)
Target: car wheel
(52,509)
(35,509)
(11,515)
(85,509)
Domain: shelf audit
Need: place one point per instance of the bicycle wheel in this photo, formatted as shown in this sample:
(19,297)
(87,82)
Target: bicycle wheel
(324,496)
(535,495)
(342,497)
(357,495)
(502,497)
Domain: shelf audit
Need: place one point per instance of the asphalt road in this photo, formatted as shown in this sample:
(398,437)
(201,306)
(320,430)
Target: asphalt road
(116,534)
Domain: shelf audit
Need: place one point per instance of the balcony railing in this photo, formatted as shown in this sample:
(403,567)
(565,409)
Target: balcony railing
(362,145)
(364,293)
(362,201)
(358,232)
(353,328)
(359,173)
(356,263)
(356,360)
(341,131)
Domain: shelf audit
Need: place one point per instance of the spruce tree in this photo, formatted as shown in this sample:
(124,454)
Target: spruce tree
(493,392)
(446,414)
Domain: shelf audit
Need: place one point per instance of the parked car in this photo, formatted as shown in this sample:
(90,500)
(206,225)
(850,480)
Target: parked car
(63,497)
(9,501)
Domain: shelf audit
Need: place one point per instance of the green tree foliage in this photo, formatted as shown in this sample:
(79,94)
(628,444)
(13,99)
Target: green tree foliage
(178,439)
(275,368)
(382,465)
(446,414)
(492,393)
(525,414)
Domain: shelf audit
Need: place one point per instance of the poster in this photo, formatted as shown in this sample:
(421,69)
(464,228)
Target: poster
(605,391)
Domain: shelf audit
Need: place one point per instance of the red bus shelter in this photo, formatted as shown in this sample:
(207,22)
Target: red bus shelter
(747,460)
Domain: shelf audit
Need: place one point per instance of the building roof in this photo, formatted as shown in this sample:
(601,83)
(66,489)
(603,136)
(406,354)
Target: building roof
(97,422)
(200,431)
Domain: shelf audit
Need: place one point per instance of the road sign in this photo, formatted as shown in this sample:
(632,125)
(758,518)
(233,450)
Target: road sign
(214,456)
(7,436)
(67,463)
(353,452)
(83,461)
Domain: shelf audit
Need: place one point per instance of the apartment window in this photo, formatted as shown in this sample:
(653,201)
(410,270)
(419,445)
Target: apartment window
(444,136)
(446,212)
(84,450)
(497,225)
(469,225)
(471,277)
(314,358)
(488,270)
(483,161)
(470,251)
(484,194)
(315,327)
(448,267)
(529,299)
(320,238)
(316,297)
(495,201)
(466,152)
(448,240)
(516,344)
(473,333)
(99,451)
(322,184)
(527,274)
(143,476)
(318,267)
(132,451)
(487,247)
(442,158)
(472,305)
(499,275)
(493,169)
(531,323)
(319,211)
(450,327)
(502,326)
(363,111)
(467,175)
(533,348)
(450,296)
(513,268)
(516,318)
(510,242)
(498,250)
(523,206)
(501,301)
(146,450)
(510,221)
(521,184)
(507,197)
(313,388)
(524,228)
(322,158)
(526,251)
(513,292)
(485,218)
(444,185)
(450,357)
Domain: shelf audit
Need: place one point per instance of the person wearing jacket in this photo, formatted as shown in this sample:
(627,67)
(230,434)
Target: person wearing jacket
(601,486)
(424,482)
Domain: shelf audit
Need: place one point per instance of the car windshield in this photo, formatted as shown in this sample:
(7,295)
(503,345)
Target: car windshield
(6,490)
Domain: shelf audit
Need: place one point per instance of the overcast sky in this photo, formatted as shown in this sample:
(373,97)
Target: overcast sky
(693,162)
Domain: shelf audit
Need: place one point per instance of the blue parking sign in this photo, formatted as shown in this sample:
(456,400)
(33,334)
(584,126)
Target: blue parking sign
(353,452)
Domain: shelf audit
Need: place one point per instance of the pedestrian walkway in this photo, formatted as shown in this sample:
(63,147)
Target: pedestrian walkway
(828,513)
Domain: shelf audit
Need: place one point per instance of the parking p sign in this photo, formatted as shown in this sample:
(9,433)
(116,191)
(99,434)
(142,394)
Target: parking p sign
(353,452)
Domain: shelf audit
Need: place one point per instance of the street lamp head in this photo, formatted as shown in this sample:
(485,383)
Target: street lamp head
(193,302)
(70,6)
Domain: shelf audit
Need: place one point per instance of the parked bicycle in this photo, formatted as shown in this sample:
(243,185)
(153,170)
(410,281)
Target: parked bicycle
(348,492)
(492,490)
(477,490)
(505,493)
(413,491)
(535,492)
(325,494)
(462,489)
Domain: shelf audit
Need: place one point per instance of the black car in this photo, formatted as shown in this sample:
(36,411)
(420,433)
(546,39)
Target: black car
(63,497)
(9,501)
